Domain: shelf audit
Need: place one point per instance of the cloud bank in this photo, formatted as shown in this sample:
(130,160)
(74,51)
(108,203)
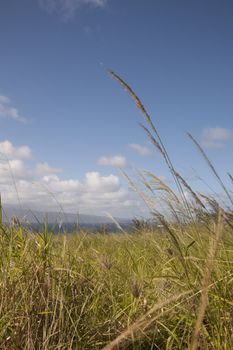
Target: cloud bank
(40,186)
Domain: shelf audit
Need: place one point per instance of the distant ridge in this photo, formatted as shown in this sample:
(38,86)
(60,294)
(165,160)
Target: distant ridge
(35,216)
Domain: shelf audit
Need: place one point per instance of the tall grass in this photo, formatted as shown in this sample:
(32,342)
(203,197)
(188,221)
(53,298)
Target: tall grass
(169,287)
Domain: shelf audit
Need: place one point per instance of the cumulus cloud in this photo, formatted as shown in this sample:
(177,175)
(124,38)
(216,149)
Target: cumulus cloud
(97,183)
(9,151)
(7,110)
(13,170)
(40,187)
(60,186)
(68,8)
(216,137)
(116,161)
(141,150)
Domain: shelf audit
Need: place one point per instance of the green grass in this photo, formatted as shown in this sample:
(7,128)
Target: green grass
(81,291)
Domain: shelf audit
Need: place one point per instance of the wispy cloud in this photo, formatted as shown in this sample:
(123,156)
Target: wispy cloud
(216,137)
(141,150)
(68,8)
(116,161)
(7,110)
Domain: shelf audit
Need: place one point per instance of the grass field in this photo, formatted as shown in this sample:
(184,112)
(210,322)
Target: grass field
(166,287)
(82,291)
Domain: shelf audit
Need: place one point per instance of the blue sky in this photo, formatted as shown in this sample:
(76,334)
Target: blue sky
(76,124)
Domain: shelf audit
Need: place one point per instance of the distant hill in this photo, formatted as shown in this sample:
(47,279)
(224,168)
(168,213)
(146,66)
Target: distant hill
(35,216)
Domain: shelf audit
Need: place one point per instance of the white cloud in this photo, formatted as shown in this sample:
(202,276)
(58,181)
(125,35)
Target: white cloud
(7,110)
(40,187)
(116,161)
(95,194)
(216,137)
(61,186)
(97,183)
(141,150)
(8,150)
(13,170)
(44,169)
(68,8)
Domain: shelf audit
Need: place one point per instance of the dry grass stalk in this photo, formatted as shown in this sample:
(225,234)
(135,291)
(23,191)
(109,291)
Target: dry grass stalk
(115,222)
(206,280)
(231,177)
(176,243)
(134,97)
(144,180)
(157,142)
(194,195)
(141,324)
(154,141)
(150,202)
(211,166)
(211,201)
(106,262)
(162,185)
(135,288)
